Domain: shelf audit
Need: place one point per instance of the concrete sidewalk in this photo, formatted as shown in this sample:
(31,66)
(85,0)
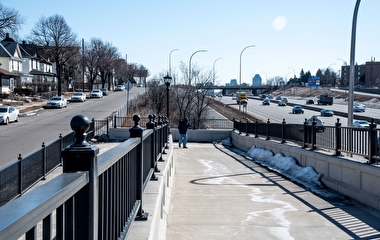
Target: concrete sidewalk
(218,194)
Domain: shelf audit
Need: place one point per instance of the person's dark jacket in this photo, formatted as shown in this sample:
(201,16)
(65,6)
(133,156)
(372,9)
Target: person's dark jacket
(183,126)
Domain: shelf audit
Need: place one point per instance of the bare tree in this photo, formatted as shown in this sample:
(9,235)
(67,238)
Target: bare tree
(93,52)
(10,21)
(56,40)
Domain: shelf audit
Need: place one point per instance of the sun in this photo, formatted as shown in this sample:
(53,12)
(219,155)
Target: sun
(279,23)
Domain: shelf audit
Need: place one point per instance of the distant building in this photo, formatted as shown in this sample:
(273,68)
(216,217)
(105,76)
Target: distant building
(366,75)
(256,80)
(233,82)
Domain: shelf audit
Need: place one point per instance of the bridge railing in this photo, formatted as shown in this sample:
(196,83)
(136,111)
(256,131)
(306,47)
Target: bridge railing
(350,140)
(97,197)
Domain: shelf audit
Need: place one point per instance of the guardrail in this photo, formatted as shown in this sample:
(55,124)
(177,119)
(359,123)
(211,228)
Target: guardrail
(352,140)
(95,197)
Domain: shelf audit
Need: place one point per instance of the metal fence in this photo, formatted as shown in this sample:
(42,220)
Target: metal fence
(351,140)
(96,197)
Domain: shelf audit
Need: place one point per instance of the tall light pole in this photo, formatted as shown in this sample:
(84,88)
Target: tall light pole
(190,63)
(352,67)
(170,61)
(167,80)
(213,70)
(241,53)
(327,77)
(294,78)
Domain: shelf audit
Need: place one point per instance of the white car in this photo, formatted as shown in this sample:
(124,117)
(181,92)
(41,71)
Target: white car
(78,97)
(319,124)
(57,102)
(9,114)
(361,124)
(359,108)
(96,93)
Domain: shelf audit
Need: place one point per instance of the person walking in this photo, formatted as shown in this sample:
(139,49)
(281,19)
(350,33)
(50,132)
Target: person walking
(182,127)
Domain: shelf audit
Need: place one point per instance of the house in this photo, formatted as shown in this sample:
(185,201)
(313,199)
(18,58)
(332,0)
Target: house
(22,66)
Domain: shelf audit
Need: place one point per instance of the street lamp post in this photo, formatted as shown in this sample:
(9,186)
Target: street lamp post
(241,53)
(352,67)
(190,63)
(294,79)
(213,70)
(170,61)
(167,80)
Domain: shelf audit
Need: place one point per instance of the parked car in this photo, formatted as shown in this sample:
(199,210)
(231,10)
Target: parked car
(361,124)
(327,113)
(319,124)
(119,88)
(266,101)
(9,114)
(309,101)
(78,97)
(281,103)
(105,91)
(297,109)
(96,93)
(57,102)
(359,108)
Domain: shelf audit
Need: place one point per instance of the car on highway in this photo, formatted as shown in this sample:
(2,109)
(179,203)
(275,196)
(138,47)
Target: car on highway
(281,104)
(309,101)
(361,124)
(57,102)
(96,93)
(284,99)
(359,108)
(78,97)
(119,88)
(297,109)
(278,98)
(319,124)
(266,101)
(105,91)
(327,113)
(9,114)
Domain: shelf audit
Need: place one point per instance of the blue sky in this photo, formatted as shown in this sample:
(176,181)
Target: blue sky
(315,35)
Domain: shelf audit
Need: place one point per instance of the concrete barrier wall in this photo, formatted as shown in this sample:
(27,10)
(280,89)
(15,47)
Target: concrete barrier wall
(203,135)
(351,177)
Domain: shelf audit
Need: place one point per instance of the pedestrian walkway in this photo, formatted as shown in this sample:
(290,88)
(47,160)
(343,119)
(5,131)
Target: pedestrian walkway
(218,194)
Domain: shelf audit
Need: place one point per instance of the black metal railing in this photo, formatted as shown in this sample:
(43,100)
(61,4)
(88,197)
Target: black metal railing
(97,195)
(351,140)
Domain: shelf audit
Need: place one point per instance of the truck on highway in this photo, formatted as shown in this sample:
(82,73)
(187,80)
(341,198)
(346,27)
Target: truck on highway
(241,98)
(324,99)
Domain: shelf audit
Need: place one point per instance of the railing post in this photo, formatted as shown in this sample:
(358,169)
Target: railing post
(246,127)
(151,125)
(268,122)
(338,137)
(256,122)
(240,126)
(61,145)
(137,132)
(44,160)
(313,134)
(20,178)
(114,121)
(305,134)
(283,131)
(372,135)
(81,156)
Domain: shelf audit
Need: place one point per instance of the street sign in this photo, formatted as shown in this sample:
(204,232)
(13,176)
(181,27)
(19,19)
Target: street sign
(128,85)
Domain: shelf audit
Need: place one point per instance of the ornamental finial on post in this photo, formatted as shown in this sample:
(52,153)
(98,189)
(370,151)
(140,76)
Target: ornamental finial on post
(80,124)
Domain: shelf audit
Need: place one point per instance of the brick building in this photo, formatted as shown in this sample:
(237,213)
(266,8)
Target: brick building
(366,75)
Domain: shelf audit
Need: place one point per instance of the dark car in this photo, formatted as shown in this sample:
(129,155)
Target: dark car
(297,109)
(309,101)
(104,91)
(266,101)
(327,113)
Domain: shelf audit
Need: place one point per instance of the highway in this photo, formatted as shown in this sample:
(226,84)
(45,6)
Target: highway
(46,126)
(276,114)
